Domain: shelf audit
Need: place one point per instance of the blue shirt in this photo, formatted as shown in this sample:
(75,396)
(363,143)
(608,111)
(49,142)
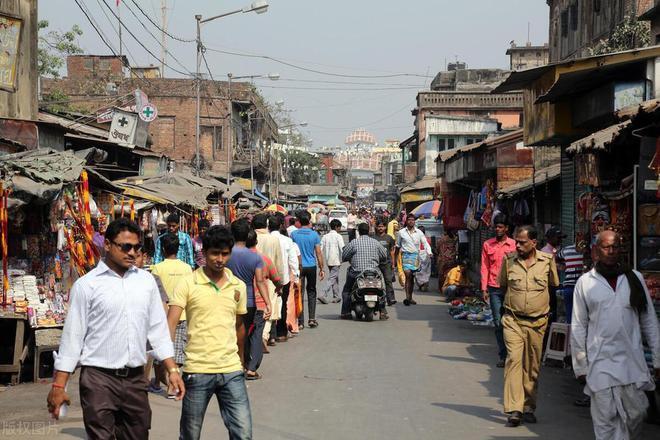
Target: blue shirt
(307,239)
(243,263)
(185,253)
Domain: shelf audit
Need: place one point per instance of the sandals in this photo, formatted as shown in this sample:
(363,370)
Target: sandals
(252,376)
(312,323)
(412,302)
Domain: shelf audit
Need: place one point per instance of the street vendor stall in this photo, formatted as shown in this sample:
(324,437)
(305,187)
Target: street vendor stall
(47,243)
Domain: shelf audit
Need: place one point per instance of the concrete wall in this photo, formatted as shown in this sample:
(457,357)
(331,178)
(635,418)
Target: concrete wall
(22,102)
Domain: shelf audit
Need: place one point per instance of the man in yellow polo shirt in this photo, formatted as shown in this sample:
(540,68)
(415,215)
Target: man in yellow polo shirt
(213,298)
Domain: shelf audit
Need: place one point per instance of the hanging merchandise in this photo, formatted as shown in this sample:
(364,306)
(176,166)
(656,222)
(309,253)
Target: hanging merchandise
(649,220)
(520,211)
(4,195)
(587,169)
(471,223)
(489,195)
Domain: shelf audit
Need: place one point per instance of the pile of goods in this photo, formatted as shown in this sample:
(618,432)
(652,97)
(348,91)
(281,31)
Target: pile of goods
(473,309)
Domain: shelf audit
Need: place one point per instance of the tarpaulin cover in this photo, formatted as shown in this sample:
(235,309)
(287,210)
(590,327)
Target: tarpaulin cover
(39,174)
(173,188)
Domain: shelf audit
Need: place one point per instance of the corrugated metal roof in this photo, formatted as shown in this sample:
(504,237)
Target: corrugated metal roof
(425,183)
(540,177)
(598,140)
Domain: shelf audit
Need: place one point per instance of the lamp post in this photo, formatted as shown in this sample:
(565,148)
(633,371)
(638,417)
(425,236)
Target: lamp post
(258,6)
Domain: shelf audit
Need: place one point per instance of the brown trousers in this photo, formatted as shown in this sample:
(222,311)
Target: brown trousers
(114,407)
(524,344)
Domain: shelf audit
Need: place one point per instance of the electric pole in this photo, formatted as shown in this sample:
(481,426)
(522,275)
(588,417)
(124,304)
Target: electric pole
(163,40)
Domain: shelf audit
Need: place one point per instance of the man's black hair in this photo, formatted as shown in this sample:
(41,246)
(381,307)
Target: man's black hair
(500,219)
(217,237)
(260,221)
(119,225)
(363,229)
(274,222)
(203,223)
(334,224)
(172,218)
(381,221)
(532,232)
(240,229)
(251,240)
(169,243)
(303,217)
(292,221)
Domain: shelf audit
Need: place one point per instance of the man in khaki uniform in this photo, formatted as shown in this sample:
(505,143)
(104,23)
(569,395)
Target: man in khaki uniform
(525,276)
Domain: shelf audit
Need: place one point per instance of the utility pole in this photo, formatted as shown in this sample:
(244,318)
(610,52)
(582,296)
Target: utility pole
(231,130)
(198,80)
(119,20)
(163,40)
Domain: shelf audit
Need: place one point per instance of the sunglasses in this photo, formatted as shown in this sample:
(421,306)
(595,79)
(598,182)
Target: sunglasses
(126,247)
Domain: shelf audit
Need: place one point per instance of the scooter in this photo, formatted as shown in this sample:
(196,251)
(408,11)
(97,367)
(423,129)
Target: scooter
(367,293)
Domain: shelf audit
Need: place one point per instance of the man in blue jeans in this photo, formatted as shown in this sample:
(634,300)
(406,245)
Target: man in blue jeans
(309,242)
(215,301)
(492,255)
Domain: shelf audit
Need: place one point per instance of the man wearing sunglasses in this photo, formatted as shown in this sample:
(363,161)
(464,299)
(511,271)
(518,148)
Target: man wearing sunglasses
(114,310)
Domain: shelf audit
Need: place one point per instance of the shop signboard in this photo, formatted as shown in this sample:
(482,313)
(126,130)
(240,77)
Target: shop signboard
(127,129)
(10,37)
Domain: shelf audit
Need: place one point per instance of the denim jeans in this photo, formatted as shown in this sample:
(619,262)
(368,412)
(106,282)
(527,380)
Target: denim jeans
(230,390)
(386,269)
(451,292)
(254,349)
(567,293)
(309,275)
(496,306)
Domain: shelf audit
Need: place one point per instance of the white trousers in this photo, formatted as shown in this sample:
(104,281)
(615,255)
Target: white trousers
(618,412)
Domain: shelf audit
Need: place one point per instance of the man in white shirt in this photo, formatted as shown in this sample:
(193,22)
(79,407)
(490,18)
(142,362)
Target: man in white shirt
(289,264)
(410,241)
(292,226)
(114,310)
(612,313)
(332,245)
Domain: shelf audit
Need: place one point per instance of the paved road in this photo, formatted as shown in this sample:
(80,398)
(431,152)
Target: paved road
(419,375)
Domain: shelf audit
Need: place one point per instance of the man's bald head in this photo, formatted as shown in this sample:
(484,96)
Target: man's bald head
(607,235)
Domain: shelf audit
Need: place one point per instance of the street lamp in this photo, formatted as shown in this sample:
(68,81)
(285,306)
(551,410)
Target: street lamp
(230,76)
(258,6)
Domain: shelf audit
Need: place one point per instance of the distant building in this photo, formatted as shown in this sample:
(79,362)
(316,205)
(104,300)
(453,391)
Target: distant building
(527,56)
(145,72)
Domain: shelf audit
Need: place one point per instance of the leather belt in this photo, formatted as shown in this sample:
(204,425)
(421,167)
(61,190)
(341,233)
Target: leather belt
(122,372)
(525,317)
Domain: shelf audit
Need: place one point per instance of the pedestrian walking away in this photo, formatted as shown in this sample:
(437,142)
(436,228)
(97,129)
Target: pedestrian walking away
(309,242)
(612,314)
(203,225)
(388,268)
(332,246)
(215,300)
(525,278)
(248,267)
(114,310)
(411,242)
(492,254)
(289,265)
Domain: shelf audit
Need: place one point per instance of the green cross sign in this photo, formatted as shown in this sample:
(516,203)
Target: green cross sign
(147,112)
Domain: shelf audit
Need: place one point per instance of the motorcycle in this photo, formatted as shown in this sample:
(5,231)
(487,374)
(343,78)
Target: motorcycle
(367,293)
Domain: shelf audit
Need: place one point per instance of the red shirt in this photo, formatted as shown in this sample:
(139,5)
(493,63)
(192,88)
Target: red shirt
(492,255)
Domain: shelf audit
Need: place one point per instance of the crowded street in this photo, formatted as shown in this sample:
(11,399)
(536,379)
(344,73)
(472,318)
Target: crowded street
(418,375)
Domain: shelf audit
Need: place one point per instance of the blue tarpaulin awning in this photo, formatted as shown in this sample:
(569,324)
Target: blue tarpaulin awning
(260,195)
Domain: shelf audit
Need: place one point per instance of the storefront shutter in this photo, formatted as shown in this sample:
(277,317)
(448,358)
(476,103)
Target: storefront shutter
(567,196)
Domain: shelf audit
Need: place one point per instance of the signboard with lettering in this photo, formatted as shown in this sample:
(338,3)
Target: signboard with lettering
(124,127)
(10,35)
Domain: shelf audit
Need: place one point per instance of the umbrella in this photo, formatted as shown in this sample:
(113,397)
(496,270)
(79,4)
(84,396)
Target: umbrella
(277,208)
(427,209)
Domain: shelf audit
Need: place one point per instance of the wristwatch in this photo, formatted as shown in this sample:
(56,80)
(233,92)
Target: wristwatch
(174,370)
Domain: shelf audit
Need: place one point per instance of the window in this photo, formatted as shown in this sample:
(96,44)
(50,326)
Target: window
(210,139)
(441,144)
(470,141)
(104,64)
(88,63)
(564,23)
(450,144)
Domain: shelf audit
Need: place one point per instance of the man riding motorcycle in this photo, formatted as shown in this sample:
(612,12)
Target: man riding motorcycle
(363,253)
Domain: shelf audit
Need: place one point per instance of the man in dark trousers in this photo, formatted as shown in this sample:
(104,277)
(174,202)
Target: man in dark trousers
(309,242)
(114,310)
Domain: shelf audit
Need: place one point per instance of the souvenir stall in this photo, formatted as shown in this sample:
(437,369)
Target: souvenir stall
(47,243)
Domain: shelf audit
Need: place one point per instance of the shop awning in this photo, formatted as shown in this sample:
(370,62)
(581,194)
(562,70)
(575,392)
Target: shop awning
(421,195)
(598,140)
(541,177)
(521,79)
(425,183)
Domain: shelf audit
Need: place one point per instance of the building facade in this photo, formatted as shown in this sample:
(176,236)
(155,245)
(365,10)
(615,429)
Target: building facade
(527,56)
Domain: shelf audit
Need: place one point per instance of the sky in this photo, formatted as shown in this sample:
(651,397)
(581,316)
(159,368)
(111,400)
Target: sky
(343,64)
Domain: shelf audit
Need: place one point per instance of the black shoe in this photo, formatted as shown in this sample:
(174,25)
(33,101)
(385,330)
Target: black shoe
(347,317)
(583,403)
(529,417)
(406,302)
(514,419)
(500,363)
(391,303)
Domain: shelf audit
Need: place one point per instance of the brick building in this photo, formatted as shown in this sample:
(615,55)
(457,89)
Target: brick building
(243,123)
(577,26)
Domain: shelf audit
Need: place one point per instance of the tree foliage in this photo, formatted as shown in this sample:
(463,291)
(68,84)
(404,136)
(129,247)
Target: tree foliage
(53,48)
(629,34)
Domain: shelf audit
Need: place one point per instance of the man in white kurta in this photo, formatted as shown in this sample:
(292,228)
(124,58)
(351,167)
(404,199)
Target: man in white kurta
(606,345)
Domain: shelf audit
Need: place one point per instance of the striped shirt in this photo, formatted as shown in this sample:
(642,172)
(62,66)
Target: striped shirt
(574,262)
(110,320)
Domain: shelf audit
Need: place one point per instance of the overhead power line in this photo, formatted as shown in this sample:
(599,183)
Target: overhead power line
(352,89)
(157,26)
(320,72)
(323,81)
(139,42)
